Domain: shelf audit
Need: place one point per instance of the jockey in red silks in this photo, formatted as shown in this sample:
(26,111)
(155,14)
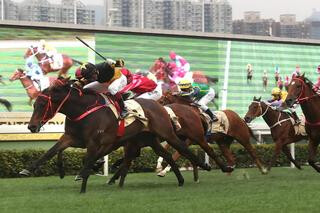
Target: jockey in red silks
(143,86)
(316,86)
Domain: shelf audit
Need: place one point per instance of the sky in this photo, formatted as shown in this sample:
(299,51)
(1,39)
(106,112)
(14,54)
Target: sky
(273,8)
(268,8)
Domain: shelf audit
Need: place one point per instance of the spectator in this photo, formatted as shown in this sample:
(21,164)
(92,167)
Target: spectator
(249,73)
(265,80)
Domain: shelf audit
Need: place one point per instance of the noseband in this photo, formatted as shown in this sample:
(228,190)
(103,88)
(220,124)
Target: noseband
(260,107)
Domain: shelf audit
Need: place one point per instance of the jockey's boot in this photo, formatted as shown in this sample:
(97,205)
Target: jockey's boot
(123,109)
(212,116)
(295,117)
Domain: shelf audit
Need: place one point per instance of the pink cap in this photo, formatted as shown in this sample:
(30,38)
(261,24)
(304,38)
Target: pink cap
(172,55)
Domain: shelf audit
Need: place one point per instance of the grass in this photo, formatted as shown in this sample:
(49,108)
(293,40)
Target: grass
(283,190)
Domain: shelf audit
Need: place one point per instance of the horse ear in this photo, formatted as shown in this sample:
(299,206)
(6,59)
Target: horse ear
(254,98)
(259,99)
(302,75)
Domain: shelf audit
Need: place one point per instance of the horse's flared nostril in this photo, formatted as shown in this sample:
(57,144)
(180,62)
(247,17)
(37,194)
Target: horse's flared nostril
(247,119)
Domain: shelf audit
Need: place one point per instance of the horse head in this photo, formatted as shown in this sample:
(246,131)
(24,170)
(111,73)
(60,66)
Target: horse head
(49,102)
(254,110)
(17,74)
(299,90)
(31,51)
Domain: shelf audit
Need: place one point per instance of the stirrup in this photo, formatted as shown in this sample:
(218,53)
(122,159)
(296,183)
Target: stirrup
(123,114)
(214,119)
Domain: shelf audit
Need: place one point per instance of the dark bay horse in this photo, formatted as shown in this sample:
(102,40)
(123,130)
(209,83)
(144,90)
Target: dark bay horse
(27,83)
(300,91)
(282,129)
(238,130)
(97,131)
(44,63)
(191,132)
(6,103)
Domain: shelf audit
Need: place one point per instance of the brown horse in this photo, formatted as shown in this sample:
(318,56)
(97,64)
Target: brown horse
(97,130)
(27,83)
(282,129)
(238,130)
(192,132)
(300,91)
(44,62)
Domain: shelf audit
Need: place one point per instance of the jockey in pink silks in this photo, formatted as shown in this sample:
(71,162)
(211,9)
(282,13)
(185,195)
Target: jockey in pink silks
(179,67)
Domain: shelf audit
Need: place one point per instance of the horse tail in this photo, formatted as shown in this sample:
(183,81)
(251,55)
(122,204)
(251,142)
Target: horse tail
(76,61)
(6,103)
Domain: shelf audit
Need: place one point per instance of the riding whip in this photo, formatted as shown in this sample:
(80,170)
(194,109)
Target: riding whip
(83,42)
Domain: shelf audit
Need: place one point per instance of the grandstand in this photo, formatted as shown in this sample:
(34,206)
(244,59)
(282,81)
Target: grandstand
(206,53)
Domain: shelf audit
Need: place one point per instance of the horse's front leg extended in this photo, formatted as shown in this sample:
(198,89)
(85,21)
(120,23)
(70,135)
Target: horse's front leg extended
(64,142)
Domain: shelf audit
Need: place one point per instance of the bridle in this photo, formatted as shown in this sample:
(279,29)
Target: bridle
(302,97)
(49,111)
(279,122)
(260,107)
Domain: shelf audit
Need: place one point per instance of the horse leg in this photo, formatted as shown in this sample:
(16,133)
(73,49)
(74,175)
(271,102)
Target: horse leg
(286,151)
(60,164)
(182,148)
(161,151)
(64,142)
(176,155)
(205,146)
(224,145)
(30,101)
(278,146)
(252,152)
(312,148)
(160,160)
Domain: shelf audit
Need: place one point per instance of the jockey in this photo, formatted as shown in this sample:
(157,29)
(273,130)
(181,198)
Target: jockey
(107,78)
(35,73)
(182,66)
(45,47)
(202,94)
(278,98)
(318,69)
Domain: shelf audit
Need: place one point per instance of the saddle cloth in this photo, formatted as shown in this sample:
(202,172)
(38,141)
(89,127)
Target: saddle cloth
(301,128)
(173,118)
(222,125)
(57,62)
(135,111)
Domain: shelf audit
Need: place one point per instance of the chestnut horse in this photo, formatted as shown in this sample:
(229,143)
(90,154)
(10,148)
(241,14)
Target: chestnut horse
(44,63)
(282,129)
(6,103)
(191,131)
(27,83)
(94,126)
(238,130)
(300,91)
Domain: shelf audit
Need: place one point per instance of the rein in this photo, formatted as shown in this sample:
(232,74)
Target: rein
(279,122)
(301,99)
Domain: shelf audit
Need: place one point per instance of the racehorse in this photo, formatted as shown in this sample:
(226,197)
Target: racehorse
(300,91)
(91,124)
(28,84)
(44,62)
(191,132)
(282,129)
(238,130)
(6,103)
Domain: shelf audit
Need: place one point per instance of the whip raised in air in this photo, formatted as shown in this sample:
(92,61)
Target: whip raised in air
(83,42)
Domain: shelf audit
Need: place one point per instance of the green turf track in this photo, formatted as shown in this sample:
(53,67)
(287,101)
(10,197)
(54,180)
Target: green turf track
(283,190)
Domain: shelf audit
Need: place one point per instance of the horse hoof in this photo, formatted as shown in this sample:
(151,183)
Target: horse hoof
(197,181)
(77,178)
(161,174)
(264,171)
(227,169)
(25,172)
(207,167)
(159,169)
(181,183)
(111,182)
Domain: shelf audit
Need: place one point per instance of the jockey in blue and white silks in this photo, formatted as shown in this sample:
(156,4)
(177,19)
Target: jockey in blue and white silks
(34,72)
